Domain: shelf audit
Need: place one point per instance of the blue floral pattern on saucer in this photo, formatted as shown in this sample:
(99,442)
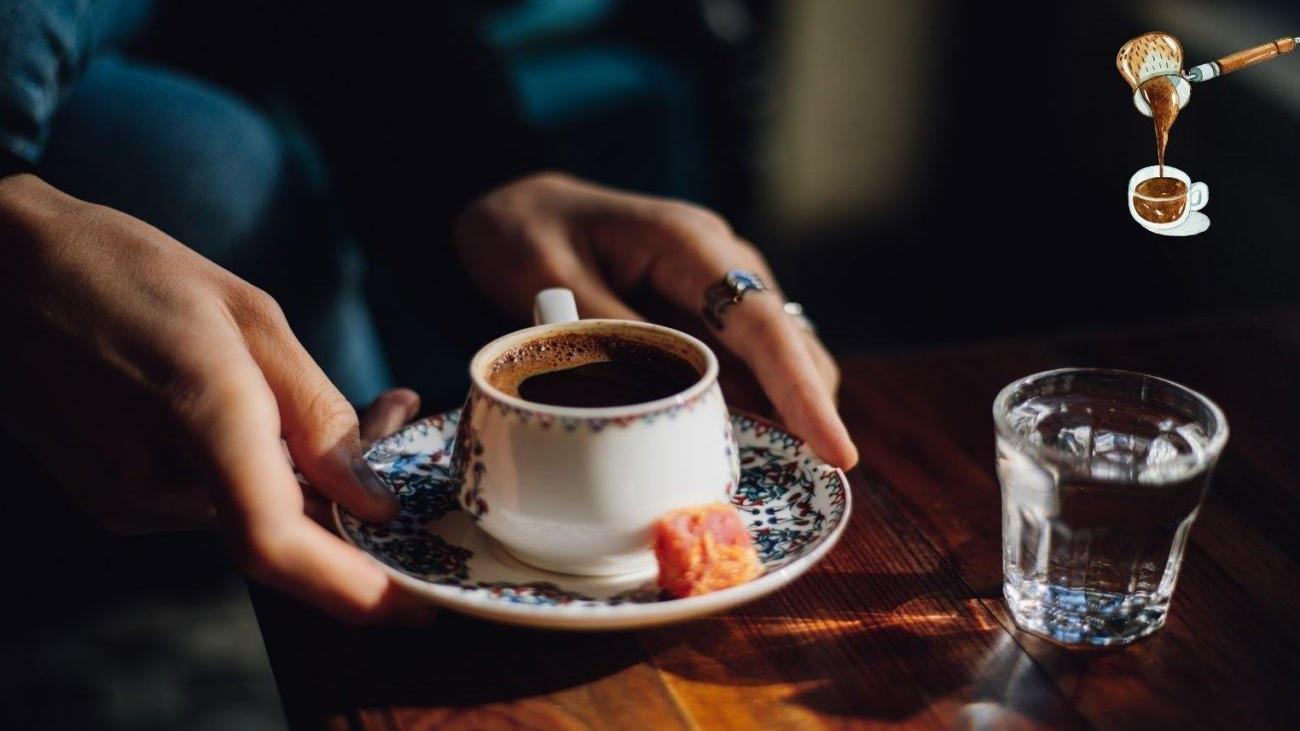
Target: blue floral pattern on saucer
(793,504)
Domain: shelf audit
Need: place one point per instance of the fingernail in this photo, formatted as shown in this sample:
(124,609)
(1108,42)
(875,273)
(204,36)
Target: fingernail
(371,481)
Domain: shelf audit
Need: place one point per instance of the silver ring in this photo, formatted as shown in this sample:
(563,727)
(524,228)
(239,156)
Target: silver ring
(730,290)
(795,310)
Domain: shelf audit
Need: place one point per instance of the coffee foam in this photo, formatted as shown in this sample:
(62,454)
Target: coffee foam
(568,350)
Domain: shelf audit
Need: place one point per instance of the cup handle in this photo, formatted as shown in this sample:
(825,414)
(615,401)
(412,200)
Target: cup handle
(1197,196)
(553,306)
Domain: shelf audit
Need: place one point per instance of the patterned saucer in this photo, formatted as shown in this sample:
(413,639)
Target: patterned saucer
(795,505)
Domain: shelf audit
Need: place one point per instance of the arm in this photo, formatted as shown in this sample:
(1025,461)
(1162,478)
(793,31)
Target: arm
(173,381)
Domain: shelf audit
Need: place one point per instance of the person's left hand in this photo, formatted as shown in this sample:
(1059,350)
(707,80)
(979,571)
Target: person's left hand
(550,230)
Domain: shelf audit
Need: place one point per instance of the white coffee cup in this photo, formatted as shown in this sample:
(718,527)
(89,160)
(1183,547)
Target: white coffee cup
(576,490)
(1197,195)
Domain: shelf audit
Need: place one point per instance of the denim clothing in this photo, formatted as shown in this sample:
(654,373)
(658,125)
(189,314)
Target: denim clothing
(228,181)
(271,136)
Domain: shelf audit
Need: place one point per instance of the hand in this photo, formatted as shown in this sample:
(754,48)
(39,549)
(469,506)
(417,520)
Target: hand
(552,230)
(157,387)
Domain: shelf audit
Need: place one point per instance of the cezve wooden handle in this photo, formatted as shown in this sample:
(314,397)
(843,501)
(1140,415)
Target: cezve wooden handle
(1258,54)
(1242,59)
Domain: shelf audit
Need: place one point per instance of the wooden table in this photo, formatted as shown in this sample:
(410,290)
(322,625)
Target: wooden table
(903,624)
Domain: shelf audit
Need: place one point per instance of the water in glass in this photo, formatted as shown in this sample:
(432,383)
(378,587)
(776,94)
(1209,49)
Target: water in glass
(1100,487)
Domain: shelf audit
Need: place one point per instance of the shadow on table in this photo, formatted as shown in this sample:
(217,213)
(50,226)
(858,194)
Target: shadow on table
(455,663)
(887,646)
(881,646)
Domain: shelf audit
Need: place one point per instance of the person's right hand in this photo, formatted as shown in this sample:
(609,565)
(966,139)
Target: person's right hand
(602,243)
(157,387)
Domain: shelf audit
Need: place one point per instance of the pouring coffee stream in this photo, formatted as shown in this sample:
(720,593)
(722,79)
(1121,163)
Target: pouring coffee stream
(1161,95)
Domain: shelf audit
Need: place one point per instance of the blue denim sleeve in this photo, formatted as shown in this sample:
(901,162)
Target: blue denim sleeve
(43,49)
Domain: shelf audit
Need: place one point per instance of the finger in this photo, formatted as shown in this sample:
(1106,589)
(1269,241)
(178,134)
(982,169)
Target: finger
(388,412)
(164,516)
(317,508)
(305,560)
(184,508)
(162,501)
(695,250)
(595,300)
(260,505)
(774,347)
(317,422)
(826,367)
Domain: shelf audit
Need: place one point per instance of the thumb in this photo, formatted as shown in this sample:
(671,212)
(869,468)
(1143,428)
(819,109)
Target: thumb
(316,421)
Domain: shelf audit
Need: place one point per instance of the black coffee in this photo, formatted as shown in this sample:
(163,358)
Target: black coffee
(591,371)
(611,383)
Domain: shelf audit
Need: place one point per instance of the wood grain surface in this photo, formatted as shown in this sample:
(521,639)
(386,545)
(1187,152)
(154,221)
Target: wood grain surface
(903,624)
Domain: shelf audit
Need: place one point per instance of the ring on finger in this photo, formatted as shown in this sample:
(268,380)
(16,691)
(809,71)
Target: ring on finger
(730,290)
(801,319)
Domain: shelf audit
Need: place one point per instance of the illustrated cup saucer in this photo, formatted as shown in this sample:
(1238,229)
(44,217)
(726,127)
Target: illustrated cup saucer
(1196,223)
(795,507)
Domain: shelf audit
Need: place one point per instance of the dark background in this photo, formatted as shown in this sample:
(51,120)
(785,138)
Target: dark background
(1006,138)
(1010,218)
(982,194)
(1017,222)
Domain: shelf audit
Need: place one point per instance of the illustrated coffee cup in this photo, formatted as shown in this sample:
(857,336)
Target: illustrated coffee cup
(573,480)
(1161,203)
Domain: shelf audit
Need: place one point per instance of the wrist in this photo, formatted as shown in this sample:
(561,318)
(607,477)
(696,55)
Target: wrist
(16,194)
(26,203)
(32,212)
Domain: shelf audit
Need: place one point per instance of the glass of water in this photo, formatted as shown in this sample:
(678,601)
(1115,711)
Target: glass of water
(1102,474)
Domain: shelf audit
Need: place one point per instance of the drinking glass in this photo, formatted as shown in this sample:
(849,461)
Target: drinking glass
(1102,472)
